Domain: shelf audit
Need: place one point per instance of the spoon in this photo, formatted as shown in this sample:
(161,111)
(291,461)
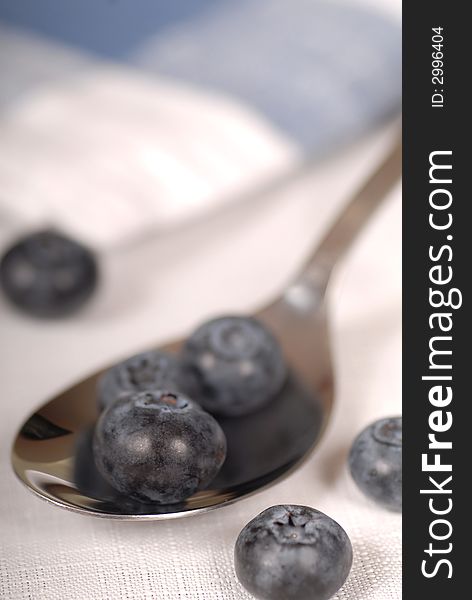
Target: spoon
(52,452)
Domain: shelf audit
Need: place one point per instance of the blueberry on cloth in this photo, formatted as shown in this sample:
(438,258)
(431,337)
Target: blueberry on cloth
(47,274)
(145,372)
(291,552)
(375,462)
(158,447)
(232,365)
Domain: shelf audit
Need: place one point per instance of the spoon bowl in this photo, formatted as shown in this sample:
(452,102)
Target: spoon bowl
(52,452)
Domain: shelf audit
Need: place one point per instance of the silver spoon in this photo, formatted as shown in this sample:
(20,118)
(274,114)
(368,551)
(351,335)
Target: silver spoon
(52,452)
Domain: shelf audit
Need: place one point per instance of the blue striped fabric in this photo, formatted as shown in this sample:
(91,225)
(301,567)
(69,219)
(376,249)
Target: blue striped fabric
(319,71)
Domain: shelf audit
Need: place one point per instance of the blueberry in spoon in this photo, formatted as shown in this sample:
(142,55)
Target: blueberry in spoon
(158,447)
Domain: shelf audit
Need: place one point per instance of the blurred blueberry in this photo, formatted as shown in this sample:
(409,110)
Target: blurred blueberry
(47,274)
(145,372)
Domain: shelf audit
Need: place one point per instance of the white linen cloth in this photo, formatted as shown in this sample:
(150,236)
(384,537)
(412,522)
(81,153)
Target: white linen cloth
(161,289)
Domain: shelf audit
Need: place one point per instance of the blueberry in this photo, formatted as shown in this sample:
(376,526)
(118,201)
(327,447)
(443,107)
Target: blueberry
(375,462)
(47,274)
(145,372)
(158,447)
(232,366)
(292,552)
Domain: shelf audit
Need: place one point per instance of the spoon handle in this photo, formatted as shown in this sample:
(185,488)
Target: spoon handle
(352,219)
